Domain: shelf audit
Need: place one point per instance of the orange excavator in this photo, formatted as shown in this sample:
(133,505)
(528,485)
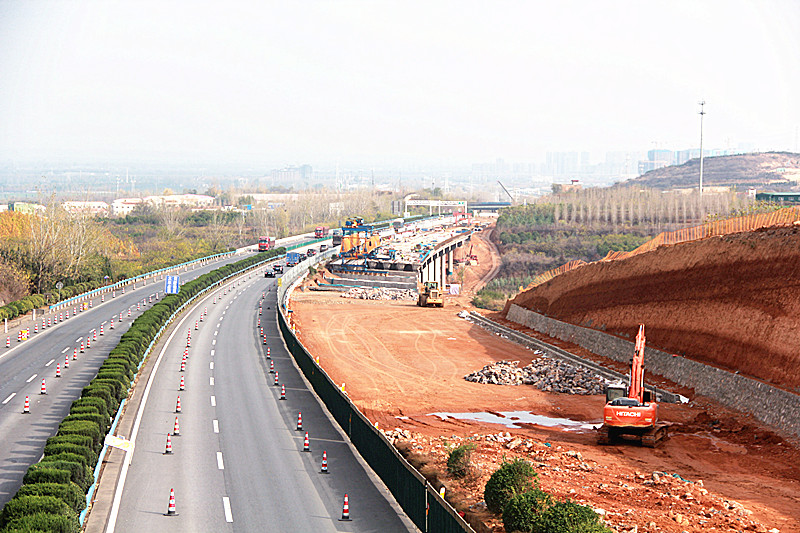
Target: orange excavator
(632,412)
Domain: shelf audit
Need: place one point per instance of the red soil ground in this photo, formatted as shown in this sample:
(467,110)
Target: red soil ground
(401,363)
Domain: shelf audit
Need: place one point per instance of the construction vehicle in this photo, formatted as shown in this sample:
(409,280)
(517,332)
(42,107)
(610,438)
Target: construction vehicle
(631,412)
(430,295)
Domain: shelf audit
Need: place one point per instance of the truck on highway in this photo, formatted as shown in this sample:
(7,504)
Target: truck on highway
(266,243)
(293,258)
(320,232)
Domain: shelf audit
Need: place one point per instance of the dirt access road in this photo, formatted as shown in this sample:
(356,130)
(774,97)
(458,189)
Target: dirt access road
(401,363)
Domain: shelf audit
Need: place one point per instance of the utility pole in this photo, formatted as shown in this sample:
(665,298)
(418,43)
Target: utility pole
(702,112)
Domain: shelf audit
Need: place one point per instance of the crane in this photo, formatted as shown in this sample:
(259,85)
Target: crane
(506,191)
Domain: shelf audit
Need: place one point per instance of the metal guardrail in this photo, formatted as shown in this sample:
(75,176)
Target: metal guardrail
(555,351)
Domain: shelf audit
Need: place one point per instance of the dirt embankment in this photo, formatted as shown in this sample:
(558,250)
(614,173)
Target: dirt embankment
(730,301)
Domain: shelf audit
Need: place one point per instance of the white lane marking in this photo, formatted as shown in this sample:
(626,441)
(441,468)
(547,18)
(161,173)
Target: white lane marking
(211,365)
(212,353)
(79,339)
(213,342)
(220,464)
(31,378)
(215,333)
(50,362)
(226,504)
(65,350)
(218,324)
(9,398)
(213,401)
(211,381)
(216,425)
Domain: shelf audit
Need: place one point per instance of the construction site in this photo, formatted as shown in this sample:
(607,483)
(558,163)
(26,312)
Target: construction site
(433,377)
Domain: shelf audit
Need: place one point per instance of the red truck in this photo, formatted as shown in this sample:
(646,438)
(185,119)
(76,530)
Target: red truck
(320,232)
(266,243)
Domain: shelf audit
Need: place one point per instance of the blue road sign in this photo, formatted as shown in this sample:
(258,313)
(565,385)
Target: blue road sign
(172,285)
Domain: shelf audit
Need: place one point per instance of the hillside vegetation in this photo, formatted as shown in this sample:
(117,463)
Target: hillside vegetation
(588,224)
(774,171)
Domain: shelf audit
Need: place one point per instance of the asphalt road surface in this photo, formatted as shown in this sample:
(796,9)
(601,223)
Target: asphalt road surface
(238,463)
(26,363)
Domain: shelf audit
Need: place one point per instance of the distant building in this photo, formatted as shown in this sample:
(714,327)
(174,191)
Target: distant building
(26,207)
(99,209)
(125,206)
(779,197)
(292,174)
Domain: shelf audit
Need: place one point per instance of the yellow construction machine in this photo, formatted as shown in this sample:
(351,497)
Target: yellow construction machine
(430,295)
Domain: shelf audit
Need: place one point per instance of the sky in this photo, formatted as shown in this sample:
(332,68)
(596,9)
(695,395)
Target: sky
(392,83)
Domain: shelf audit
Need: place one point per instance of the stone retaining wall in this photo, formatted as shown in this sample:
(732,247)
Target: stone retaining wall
(771,405)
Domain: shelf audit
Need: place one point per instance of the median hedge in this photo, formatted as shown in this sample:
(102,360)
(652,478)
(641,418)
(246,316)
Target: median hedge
(54,489)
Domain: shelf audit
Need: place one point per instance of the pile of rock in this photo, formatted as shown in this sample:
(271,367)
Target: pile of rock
(379,293)
(545,373)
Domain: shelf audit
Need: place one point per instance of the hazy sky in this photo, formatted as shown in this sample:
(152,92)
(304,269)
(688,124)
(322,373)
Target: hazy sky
(381,82)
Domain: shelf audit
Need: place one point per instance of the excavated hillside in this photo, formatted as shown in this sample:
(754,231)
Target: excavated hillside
(731,301)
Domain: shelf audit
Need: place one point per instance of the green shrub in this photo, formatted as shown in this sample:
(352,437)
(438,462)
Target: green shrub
(511,478)
(568,516)
(28,505)
(45,473)
(82,410)
(80,440)
(114,385)
(82,427)
(89,401)
(69,493)
(458,461)
(87,452)
(43,523)
(79,473)
(97,418)
(64,456)
(521,511)
(94,390)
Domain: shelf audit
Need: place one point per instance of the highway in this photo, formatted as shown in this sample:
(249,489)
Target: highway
(238,463)
(26,363)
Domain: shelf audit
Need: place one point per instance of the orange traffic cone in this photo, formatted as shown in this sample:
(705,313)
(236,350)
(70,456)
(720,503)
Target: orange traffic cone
(94,335)
(101,329)
(195,324)
(345,510)
(8,342)
(171,508)
(168,451)
(269,356)
(271,367)
(300,421)
(259,310)
(178,405)
(66,362)
(183,364)
(283,392)
(305,444)
(44,387)
(58,371)
(26,409)
(177,429)
(75,354)
(111,326)
(88,343)
(183,384)
(265,339)
(324,469)
(82,347)
(276,379)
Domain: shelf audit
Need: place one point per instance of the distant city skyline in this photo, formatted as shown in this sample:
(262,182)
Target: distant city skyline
(391,84)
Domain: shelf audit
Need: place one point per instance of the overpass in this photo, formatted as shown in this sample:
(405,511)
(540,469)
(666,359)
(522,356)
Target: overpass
(439,261)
